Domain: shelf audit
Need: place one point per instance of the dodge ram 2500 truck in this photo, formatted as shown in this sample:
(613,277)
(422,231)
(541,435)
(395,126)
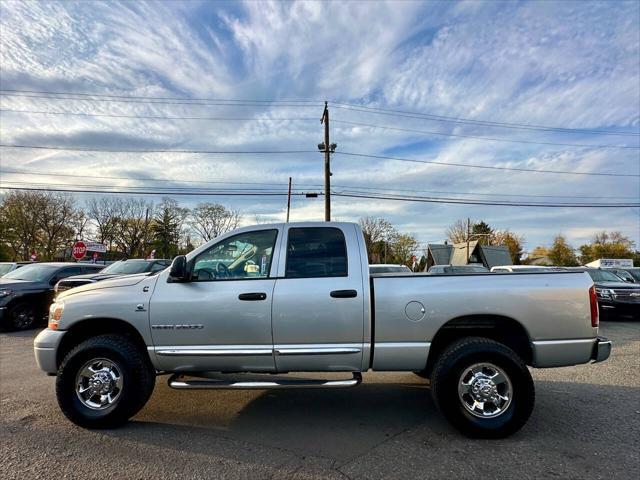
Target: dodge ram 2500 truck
(298,297)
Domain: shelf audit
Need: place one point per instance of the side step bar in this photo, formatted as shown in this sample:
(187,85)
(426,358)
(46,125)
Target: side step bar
(184,382)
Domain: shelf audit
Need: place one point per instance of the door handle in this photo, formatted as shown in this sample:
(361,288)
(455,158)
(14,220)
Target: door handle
(344,293)
(253,296)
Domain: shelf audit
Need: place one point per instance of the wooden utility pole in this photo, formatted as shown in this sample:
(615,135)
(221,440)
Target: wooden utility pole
(327,164)
(289,200)
(468,236)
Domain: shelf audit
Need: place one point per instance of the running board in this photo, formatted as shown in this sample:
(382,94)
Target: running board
(184,382)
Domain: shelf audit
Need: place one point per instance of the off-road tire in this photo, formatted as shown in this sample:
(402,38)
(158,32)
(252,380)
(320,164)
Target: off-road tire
(447,373)
(137,373)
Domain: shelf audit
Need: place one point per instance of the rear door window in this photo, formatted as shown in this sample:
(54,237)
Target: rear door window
(314,252)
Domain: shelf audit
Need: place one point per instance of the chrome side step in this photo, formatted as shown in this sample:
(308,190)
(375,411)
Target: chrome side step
(184,382)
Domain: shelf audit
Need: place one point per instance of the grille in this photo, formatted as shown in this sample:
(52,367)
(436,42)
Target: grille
(629,295)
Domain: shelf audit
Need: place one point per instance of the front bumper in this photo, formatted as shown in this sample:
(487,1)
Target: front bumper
(601,349)
(45,348)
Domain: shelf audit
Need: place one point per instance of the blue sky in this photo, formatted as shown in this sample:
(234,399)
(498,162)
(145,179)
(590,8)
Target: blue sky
(567,64)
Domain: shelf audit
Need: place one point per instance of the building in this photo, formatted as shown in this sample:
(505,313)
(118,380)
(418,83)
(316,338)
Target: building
(463,254)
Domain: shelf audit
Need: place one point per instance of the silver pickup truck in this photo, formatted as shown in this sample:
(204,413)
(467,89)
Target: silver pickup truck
(255,304)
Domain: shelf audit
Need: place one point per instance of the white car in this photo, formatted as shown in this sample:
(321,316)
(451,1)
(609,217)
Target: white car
(525,268)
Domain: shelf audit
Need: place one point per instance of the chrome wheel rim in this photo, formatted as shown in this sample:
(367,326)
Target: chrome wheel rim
(485,390)
(99,383)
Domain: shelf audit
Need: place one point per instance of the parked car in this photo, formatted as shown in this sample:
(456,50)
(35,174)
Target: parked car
(388,268)
(6,267)
(616,298)
(457,269)
(525,268)
(123,267)
(631,275)
(299,297)
(26,293)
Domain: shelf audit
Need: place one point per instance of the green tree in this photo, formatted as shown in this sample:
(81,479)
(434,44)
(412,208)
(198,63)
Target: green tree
(167,227)
(607,245)
(561,253)
(482,232)
(512,241)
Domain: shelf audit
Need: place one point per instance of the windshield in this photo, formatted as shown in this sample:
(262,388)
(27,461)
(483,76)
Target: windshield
(127,267)
(603,276)
(33,273)
(5,267)
(635,273)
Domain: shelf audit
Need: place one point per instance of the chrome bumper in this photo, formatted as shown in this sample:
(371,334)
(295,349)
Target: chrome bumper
(601,349)
(45,348)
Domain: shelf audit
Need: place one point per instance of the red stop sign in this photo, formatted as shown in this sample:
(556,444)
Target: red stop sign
(79,250)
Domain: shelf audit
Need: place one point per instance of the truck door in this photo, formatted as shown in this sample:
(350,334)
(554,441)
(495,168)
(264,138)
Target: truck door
(221,320)
(318,313)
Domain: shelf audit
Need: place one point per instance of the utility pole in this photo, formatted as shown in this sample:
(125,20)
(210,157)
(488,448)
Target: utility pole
(289,200)
(468,235)
(327,148)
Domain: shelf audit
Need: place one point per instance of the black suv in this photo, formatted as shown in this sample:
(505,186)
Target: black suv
(116,269)
(26,293)
(616,298)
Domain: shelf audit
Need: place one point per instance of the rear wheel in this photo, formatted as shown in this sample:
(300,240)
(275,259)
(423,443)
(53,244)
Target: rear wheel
(483,388)
(104,381)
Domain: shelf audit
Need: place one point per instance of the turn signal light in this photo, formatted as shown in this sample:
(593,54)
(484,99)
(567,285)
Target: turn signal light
(593,303)
(55,314)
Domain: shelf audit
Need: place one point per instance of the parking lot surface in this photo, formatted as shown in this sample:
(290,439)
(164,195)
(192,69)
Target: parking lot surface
(586,424)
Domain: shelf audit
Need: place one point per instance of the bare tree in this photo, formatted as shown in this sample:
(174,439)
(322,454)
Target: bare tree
(376,230)
(457,232)
(210,220)
(133,232)
(54,216)
(105,215)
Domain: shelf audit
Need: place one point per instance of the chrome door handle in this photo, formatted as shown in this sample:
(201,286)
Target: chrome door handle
(252,296)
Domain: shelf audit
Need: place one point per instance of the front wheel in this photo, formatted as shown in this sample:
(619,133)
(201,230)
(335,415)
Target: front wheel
(483,388)
(104,381)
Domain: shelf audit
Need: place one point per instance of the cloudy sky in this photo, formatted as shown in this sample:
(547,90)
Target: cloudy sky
(450,72)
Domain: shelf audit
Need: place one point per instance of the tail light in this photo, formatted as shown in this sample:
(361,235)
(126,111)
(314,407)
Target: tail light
(593,303)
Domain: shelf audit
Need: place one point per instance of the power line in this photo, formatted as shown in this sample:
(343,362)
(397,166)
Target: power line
(477,137)
(482,202)
(159,117)
(156,150)
(342,105)
(490,123)
(466,165)
(351,187)
(167,102)
(255,152)
(107,95)
(58,188)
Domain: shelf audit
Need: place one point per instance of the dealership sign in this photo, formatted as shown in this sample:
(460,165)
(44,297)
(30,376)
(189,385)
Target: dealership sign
(96,247)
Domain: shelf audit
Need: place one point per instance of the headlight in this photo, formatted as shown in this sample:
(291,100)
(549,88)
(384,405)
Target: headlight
(604,292)
(5,292)
(55,314)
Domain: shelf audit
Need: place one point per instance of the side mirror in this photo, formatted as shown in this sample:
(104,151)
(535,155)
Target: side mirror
(179,271)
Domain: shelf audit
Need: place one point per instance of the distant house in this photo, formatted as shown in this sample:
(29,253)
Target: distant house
(460,254)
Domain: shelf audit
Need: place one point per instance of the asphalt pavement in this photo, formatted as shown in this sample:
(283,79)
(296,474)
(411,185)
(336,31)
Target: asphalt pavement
(586,425)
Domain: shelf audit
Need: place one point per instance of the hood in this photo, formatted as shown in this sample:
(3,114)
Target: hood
(618,285)
(99,276)
(119,281)
(15,284)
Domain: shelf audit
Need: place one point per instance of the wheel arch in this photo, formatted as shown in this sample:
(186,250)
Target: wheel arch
(503,329)
(92,327)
